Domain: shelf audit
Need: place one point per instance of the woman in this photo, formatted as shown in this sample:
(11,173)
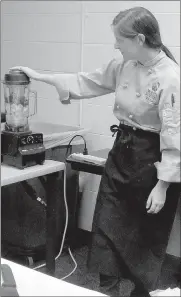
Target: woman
(140,186)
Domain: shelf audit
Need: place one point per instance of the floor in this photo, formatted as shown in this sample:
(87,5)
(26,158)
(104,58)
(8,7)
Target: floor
(64,265)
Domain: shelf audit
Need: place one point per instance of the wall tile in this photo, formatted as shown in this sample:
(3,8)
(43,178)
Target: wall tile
(52,28)
(106,6)
(55,112)
(64,28)
(41,7)
(169,28)
(160,6)
(176,52)
(64,57)
(18,28)
(98,28)
(116,6)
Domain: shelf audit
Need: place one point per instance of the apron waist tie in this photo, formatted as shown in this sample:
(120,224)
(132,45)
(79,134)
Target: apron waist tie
(114,129)
(126,135)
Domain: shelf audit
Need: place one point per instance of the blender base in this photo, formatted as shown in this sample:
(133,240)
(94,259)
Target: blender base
(22,162)
(22,150)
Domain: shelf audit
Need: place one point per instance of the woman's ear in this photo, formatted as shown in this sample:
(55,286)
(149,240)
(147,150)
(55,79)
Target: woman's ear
(140,39)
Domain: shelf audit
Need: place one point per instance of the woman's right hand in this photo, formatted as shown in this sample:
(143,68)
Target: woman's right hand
(28,71)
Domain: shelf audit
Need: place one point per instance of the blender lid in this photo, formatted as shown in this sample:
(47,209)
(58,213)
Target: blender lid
(16,77)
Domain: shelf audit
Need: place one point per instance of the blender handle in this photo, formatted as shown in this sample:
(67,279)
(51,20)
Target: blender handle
(35,98)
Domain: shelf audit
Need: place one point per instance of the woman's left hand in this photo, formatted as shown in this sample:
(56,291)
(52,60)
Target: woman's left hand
(156,199)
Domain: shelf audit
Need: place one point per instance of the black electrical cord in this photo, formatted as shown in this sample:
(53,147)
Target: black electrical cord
(85,151)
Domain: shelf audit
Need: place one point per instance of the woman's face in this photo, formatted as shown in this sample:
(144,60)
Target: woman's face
(129,47)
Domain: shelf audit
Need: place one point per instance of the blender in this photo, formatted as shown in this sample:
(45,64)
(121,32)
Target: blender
(20,147)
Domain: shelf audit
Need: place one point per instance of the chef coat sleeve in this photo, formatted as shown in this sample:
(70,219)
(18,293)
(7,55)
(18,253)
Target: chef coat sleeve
(84,85)
(169,112)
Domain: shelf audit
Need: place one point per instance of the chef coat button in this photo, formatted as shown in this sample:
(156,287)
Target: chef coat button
(150,71)
(170,131)
(130,116)
(125,86)
(117,106)
(138,94)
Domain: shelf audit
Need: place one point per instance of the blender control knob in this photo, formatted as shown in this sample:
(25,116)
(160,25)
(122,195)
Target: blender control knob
(23,140)
(30,140)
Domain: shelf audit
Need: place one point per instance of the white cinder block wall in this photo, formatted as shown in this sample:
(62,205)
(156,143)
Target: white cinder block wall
(72,36)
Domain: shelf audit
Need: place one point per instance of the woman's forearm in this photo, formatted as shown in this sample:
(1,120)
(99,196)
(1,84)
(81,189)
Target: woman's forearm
(47,78)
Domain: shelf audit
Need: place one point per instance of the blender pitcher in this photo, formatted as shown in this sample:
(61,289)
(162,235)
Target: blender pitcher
(18,97)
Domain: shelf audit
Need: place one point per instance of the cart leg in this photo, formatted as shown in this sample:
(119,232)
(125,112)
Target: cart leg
(51,188)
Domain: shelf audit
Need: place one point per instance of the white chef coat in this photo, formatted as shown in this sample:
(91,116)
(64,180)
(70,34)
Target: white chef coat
(146,97)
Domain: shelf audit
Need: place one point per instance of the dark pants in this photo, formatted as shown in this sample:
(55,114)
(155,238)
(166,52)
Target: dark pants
(127,242)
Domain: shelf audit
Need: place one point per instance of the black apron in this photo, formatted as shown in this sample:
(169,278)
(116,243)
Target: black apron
(126,240)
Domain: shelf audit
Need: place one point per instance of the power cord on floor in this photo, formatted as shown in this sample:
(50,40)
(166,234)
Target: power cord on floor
(74,267)
(64,233)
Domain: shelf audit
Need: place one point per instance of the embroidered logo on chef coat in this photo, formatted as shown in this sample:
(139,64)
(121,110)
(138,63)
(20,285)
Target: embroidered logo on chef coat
(151,95)
(171,116)
(173,100)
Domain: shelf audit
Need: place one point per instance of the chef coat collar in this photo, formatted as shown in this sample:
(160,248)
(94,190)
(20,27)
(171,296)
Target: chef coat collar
(155,60)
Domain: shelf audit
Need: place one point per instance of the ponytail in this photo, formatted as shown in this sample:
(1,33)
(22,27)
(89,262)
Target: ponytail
(168,53)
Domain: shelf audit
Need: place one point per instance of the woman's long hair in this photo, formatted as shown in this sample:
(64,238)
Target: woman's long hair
(139,20)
